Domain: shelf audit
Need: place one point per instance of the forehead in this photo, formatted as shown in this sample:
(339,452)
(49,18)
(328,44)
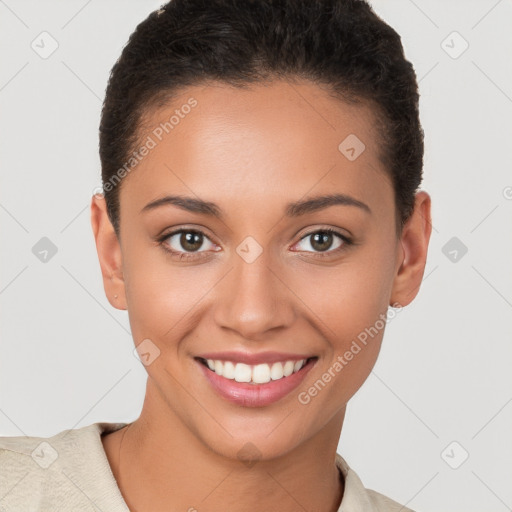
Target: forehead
(244,147)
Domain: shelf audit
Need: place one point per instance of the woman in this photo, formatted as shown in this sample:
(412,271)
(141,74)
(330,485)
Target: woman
(261,163)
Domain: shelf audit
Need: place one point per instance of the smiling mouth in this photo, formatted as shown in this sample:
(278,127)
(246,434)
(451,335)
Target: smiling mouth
(256,374)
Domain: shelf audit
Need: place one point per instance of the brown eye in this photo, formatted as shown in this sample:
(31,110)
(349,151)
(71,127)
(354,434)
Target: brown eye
(321,241)
(186,241)
(324,240)
(191,240)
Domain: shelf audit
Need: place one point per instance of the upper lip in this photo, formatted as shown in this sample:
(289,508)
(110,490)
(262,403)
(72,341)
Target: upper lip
(256,358)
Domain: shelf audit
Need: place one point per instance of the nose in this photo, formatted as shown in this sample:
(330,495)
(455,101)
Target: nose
(253,299)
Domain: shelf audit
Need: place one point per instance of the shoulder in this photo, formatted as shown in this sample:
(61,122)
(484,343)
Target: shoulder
(357,498)
(44,472)
(42,452)
(385,503)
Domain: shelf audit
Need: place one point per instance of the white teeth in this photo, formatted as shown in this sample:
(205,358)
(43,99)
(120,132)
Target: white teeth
(276,372)
(288,368)
(242,372)
(261,373)
(228,370)
(257,374)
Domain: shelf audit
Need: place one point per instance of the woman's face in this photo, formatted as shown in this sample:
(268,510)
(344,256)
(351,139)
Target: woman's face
(261,276)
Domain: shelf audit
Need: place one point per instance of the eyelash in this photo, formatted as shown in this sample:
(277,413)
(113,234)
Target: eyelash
(190,256)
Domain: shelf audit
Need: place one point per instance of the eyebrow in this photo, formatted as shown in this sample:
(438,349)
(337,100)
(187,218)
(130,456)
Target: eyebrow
(295,209)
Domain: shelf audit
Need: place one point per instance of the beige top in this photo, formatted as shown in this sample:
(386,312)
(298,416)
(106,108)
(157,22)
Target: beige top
(70,472)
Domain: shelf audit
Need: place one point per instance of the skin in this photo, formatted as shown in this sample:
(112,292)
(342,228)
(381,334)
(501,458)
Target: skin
(252,152)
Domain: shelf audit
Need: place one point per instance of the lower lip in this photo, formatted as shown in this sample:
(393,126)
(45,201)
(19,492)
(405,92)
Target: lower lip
(255,395)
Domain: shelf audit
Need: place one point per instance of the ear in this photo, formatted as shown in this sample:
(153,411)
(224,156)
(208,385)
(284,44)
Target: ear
(414,245)
(109,252)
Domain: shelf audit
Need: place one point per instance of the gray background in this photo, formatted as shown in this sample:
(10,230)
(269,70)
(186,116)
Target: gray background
(444,372)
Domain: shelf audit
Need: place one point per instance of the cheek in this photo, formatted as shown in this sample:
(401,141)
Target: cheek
(349,307)
(348,297)
(160,295)
(349,303)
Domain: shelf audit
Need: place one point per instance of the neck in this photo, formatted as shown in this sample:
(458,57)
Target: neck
(159,464)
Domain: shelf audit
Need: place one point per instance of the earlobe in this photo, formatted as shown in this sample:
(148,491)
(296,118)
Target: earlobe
(109,252)
(414,247)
